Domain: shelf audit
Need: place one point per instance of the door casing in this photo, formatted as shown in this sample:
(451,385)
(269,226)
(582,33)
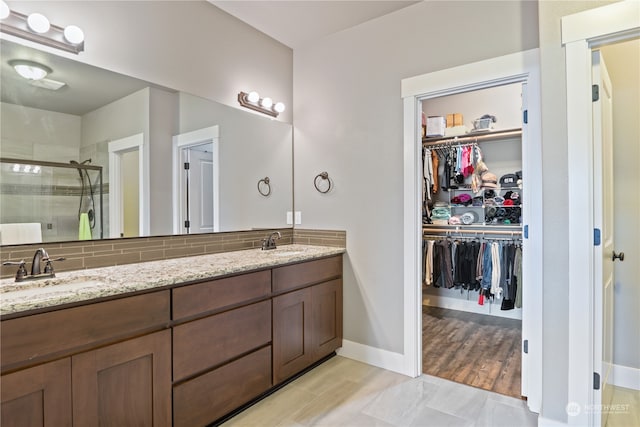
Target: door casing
(582,32)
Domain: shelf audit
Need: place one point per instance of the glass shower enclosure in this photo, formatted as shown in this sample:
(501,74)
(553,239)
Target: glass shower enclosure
(64,199)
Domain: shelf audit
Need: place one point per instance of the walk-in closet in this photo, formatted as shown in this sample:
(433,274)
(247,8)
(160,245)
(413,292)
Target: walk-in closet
(473,199)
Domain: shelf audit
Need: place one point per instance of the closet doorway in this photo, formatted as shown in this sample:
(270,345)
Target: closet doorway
(472,221)
(515,151)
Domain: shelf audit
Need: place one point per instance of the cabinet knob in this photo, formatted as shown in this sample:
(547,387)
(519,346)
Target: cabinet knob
(619,256)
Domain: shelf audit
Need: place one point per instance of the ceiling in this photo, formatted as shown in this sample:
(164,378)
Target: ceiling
(299,22)
(87,88)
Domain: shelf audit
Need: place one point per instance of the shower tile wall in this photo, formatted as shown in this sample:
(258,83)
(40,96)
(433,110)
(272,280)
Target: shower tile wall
(51,198)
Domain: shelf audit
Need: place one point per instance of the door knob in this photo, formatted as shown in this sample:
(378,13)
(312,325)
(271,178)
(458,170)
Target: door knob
(619,256)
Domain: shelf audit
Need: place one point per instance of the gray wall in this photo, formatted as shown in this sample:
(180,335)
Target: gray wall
(348,122)
(190,46)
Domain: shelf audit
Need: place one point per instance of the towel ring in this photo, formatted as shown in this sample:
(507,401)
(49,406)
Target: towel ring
(261,190)
(324,176)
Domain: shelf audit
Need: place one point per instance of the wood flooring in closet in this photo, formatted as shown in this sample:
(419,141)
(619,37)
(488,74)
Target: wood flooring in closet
(474,349)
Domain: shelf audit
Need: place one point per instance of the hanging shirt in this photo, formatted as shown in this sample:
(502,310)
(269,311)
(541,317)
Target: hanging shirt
(427,173)
(435,160)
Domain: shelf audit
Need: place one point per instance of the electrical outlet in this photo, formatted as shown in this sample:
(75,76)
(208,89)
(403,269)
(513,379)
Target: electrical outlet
(289,218)
(298,217)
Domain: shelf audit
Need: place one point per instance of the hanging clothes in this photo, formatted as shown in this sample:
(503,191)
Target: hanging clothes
(492,267)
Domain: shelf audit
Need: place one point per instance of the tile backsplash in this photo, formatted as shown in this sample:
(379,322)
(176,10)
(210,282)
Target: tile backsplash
(102,253)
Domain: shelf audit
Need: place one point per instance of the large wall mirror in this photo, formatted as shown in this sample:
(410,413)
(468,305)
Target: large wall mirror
(90,154)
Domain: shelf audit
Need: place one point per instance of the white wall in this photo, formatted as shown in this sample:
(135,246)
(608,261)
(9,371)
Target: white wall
(623,63)
(348,122)
(190,46)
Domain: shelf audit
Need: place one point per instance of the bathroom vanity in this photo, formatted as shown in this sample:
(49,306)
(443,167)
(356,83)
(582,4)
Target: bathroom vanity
(183,347)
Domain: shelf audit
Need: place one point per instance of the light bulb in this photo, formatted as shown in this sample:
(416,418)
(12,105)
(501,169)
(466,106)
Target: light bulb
(30,70)
(27,168)
(36,169)
(253,96)
(279,107)
(16,168)
(266,102)
(4,10)
(38,23)
(73,34)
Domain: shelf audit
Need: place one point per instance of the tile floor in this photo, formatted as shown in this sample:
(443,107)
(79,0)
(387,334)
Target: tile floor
(344,392)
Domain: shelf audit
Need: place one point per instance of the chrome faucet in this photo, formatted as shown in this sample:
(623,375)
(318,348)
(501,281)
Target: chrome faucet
(36,266)
(269,242)
(38,257)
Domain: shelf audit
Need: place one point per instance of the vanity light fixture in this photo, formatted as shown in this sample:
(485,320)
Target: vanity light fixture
(30,70)
(264,105)
(37,28)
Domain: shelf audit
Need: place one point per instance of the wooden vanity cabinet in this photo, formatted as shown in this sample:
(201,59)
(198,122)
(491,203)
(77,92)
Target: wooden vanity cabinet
(95,364)
(307,322)
(222,352)
(128,383)
(184,356)
(37,396)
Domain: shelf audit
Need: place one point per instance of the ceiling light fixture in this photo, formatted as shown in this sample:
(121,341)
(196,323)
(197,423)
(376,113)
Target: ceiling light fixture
(264,105)
(30,70)
(37,28)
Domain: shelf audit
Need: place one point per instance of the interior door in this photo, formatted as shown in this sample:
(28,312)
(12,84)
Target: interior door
(199,190)
(603,220)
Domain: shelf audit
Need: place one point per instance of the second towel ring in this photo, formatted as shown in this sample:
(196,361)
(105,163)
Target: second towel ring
(265,181)
(324,176)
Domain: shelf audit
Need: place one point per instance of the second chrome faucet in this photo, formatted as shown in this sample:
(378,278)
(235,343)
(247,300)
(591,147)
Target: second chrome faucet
(269,242)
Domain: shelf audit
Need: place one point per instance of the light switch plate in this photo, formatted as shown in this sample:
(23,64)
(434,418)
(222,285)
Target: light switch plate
(298,217)
(289,218)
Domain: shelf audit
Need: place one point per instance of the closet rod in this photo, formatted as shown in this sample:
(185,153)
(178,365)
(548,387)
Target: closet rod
(470,138)
(476,232)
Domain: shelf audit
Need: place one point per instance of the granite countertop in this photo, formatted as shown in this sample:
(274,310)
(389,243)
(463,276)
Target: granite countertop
(84,285)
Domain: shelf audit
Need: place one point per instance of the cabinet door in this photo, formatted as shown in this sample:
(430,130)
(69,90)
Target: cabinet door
(326,299)
(125,384)
(292,329)
(38,396)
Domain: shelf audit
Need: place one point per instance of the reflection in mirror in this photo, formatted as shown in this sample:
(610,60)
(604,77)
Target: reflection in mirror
(129,129)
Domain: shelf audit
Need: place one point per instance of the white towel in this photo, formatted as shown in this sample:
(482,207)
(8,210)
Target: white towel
(20,233)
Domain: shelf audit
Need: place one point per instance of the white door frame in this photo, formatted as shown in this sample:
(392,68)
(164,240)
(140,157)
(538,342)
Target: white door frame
(522,67)
(581,32)
(191,139)
(116,149)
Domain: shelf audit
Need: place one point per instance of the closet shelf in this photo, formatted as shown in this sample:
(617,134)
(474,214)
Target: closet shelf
(472,137)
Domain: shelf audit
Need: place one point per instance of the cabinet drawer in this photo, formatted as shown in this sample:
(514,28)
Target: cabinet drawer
(31,339)
(210,396)
(306,273)
(205,343)
(213,295)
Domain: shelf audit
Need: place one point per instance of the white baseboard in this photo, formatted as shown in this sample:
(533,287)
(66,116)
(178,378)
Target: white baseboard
(546,422)
(471,306)
(624,376)
(381,358)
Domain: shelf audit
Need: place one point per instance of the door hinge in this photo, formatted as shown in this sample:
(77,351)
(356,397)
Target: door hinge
(596,381)
(186,166)
(525,346)
(596,237)
(187,224)
(595,93)
(525,116)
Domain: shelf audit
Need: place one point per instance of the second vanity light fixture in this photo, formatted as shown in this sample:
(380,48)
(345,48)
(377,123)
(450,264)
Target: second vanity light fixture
(37,28)
(265,105)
